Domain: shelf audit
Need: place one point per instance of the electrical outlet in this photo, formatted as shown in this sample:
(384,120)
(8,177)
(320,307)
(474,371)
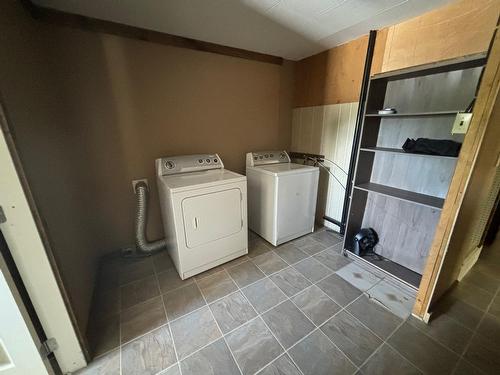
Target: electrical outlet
(461,124)
(135,182)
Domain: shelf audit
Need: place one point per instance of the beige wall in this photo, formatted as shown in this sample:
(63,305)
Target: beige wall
(91,112)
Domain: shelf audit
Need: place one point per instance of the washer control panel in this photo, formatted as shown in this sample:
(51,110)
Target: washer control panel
(187,163)
(267,157)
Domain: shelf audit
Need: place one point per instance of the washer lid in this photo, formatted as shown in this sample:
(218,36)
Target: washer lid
(286,169)
(196,180)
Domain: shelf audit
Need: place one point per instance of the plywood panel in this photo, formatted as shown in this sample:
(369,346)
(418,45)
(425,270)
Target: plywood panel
(405,230)
(331,77)
(462,28)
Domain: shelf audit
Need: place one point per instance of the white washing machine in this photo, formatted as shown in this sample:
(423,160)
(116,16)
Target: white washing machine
(281,196)
(204,212)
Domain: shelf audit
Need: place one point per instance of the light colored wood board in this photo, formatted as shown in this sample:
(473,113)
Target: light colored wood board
(327,130)
(430,176)
(405,195)
(434,93)
(331,77)
(405,230)
(481,121)
(461,28)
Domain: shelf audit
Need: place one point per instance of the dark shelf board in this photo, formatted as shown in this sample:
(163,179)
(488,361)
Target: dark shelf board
(401,151)
(415,114)
(405,195)
(460,63)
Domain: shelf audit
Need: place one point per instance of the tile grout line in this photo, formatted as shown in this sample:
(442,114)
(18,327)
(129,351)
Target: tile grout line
(316,327)
(218,327)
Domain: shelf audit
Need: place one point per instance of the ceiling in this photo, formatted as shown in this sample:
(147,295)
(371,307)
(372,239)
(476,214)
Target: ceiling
(292,29)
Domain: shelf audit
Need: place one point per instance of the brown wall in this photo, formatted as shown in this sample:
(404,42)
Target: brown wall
(462,28)
(91,112)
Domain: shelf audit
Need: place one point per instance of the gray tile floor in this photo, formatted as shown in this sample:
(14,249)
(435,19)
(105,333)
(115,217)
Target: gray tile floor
(300,308)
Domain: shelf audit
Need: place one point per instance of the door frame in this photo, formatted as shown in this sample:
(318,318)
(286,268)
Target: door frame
(28,243)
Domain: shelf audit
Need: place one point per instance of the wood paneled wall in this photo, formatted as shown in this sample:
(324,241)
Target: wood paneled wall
(327,130)
(462,28)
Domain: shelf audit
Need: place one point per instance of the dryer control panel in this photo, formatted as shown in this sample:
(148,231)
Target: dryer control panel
(267,157)
(187,163)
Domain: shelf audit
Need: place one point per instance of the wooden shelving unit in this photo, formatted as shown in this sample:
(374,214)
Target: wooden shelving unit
(401,194)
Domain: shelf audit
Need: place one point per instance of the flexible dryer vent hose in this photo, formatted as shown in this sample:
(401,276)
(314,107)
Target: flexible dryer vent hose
(141,241)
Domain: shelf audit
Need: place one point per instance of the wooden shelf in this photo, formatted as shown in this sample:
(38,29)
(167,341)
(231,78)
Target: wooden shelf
(405,195)
(401,151)
(416,114)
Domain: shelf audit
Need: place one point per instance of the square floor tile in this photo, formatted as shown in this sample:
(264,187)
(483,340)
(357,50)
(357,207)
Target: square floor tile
(332,260)
(142,318)
(490,328)
(232,311)
(170,280)
(149,354)
(460,311)
(357,276)
(387,361)
(139,291)
(257,247)
(444,330)
(287,323)
(245,273)
(215,359)
(133,269)
(263,295)
(290,281)
(290,253)
(108,364)
(375,316)
(282,366)
(207,273)
(162,261)
(316,355)
(482,280)
(418,348)
(217,286)
(465,368)
(312,269)
(339,290)
(473,295)
(309,245)
(395,299)
(269,262)
(495,306)
(105,303)
(193,331)
(253,346)
(316,305)
(327,237)
(104,335)
(483,354)
(235,262)
(182,301)
(352,337)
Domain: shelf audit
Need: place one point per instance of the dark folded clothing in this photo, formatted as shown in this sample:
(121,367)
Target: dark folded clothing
(443,147)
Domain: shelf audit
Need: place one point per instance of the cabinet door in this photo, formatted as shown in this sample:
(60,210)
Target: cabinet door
(212,216)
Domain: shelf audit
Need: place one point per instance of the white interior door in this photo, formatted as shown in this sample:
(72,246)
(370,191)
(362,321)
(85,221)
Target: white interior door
(26,246)
(19,353)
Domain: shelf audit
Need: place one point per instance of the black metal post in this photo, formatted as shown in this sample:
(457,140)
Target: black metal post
(357,131)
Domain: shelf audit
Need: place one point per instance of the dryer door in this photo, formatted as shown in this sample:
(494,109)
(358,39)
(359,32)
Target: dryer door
(209,217)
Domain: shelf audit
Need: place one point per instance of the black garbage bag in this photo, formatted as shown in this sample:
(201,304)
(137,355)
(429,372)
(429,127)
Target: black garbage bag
(443,147)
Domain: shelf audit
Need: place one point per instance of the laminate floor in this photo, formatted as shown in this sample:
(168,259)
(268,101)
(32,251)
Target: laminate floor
(297,309)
